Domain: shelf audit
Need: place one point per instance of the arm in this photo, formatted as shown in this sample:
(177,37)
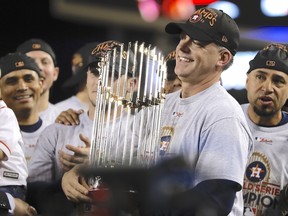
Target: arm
(9,132)
(41,164)
(15,206)
(208,198)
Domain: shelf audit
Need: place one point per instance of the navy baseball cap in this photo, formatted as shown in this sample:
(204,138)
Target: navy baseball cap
(17,61)
(36,44)
(209,25)
(273,56)
(80,62)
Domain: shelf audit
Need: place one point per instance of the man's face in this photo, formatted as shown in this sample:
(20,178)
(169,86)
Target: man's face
(48,70)
(267,91)
(196,60)
(92,85)
(119,89)
(21,90)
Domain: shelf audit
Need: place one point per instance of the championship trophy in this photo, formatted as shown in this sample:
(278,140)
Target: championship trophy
(126,125)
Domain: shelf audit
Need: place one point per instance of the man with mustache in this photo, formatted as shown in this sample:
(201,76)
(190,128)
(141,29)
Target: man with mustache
(266,176)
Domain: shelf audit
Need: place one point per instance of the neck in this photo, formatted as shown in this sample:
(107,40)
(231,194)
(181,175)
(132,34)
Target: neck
(266,121)
(43,102)
(83,96)
(27,117)
(189,89)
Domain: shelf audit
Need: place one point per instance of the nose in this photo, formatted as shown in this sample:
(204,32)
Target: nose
(22,86)
(267,86)
(183,44)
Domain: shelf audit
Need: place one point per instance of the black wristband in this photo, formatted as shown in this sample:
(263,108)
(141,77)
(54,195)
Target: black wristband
(4,201)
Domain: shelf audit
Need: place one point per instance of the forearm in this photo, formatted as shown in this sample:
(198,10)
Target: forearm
(211,198)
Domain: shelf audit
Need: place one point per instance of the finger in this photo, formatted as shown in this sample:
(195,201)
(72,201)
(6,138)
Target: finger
(78,151)
(85,139)
(77,193)
(66,160)
(80,156)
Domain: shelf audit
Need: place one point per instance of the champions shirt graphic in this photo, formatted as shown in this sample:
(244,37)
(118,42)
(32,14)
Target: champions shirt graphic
(260,196)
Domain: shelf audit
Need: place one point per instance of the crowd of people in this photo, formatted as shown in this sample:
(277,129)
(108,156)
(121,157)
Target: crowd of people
(214,155)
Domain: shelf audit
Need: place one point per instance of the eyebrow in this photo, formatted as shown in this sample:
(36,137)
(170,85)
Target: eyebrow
(274,75)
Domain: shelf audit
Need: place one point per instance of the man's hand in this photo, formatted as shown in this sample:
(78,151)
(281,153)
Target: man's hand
(72,188)
(69,117)
(81,154)
(23,209)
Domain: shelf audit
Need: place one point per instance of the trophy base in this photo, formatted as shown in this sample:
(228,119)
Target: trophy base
(104,203)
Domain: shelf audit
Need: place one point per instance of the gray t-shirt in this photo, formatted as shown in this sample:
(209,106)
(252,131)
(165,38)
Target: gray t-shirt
(267,169)
(210,131)
(45,164)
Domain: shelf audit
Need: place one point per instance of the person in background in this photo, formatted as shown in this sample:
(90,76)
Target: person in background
(79,62)
(45,57)
(266,176)
(21,88)
(172,83)
(13,167)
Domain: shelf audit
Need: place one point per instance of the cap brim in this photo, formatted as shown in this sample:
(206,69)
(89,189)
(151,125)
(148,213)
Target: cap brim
(75,79)
(192,32)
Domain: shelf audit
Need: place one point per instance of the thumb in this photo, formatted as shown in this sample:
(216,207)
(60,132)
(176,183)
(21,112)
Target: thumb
(85,139)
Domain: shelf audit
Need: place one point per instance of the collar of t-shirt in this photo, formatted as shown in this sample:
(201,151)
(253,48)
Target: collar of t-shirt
(284,119)
(31,128)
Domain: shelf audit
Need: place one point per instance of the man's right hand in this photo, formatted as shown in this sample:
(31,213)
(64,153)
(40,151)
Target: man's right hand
(72,188)
(69,117)
(80,154)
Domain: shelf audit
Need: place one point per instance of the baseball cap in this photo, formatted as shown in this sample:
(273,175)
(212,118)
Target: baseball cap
(80,61)
(170,60)
(17,61)
(37,44)
(209,25)
(273,56)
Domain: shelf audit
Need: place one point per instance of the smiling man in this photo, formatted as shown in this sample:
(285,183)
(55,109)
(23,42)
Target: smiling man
(45,58)
(21,87)
(202,123)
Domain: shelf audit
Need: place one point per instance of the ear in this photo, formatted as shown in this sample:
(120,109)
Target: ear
(224,57)
(41,80)
(56,73)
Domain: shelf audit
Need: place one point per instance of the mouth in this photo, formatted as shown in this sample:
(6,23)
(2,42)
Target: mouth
(184,59)
(22,97)
(265,100)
